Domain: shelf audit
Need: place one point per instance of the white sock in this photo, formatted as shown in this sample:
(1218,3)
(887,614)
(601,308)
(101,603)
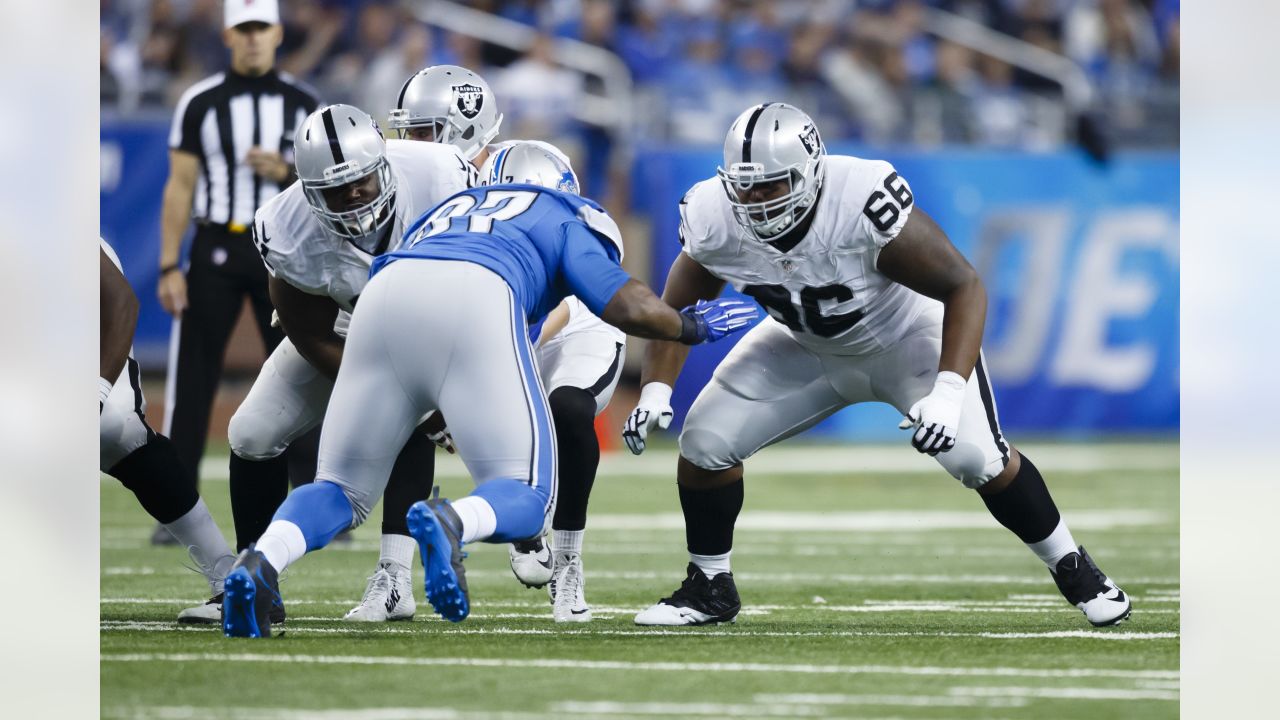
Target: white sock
(569,541)
(1058,545)
(711,565)
(282,543)
(478,519)
(200,535)
(397,550)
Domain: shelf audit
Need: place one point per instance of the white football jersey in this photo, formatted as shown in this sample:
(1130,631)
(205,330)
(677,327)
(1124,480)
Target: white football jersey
(826,290)
(297,249)
(111,253)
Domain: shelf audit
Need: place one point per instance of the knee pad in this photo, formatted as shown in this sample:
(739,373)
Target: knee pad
(252,438)
(708,449)
(970,464)
(573,410)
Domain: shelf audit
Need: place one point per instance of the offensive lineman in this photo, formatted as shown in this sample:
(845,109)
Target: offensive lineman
(443,325)
(868,301)
(143,460)
(579,356)
(355,196)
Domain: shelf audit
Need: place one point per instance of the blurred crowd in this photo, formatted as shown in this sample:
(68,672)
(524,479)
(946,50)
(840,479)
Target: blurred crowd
(866,69)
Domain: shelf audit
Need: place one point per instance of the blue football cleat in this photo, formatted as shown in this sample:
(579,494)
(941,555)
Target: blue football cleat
(438,530)
(251,595)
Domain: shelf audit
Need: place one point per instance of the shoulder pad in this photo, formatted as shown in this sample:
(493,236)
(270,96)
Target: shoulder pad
(601,224)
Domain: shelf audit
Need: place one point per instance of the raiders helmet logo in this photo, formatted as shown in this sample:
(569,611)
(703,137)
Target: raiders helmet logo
(470,100)
(809,138)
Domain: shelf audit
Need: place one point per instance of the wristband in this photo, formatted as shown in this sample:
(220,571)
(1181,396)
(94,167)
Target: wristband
(655,394)
(950,385)
(166,269)
(104,391)
(688,331)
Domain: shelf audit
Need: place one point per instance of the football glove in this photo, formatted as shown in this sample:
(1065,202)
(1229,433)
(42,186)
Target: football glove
(437,431)
(712,320)
(936,416)
(653,409)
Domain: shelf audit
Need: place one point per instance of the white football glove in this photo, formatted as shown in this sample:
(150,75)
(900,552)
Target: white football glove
(936,416)
(437,432)
(653,409)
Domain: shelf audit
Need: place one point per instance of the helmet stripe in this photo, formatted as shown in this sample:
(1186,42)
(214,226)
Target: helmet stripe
(404,89)
(334,146)
(751,128)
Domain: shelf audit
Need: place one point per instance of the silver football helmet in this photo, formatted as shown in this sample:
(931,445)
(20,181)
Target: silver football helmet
(768,144)
(525,162)
(340,152)
(455,104)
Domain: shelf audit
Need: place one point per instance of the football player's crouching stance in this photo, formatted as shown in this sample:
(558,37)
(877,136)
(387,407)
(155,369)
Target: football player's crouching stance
(143,460)
(444,325)
(867,301)
(579,356)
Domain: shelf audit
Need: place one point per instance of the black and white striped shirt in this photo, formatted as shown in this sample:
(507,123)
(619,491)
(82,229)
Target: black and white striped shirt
(218,119)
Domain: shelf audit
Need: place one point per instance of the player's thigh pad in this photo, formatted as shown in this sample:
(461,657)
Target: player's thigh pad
(494,399)
(906,372)
(122,427)
(396,352)
(767,389)
(589,359)
(287,399)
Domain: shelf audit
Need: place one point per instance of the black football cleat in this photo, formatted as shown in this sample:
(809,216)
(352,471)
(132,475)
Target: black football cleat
(251,595)
(698,601)
(1083,585)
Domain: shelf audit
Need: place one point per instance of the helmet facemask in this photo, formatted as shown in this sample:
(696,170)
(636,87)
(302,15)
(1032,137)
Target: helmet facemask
(362,226)
(767,219)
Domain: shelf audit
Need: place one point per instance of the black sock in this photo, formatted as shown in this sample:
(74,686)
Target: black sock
(257,489)
(574,412)
(1025,506)
(709,516)
(410,481)
(157,478)
(302,455)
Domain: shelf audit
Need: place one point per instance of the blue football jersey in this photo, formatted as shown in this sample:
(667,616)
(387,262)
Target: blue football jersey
(546,244)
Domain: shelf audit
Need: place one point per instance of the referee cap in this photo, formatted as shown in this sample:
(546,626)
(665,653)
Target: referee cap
(235,12)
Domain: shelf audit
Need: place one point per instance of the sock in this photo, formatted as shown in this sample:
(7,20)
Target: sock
(319,510)
(709,516)
(257,489)
(410,481)
(574,412)
(1025,506)
(155,475)
(520,510)
(711,565)
(200,535)
(569,541)
(282,543)
(479,521)
(1058,545)
(397,550)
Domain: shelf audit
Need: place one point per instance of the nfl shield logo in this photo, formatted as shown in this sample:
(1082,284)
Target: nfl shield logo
(788,266)
(470,100)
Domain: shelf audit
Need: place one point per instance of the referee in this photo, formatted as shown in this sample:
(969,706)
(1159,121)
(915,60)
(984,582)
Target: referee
(230,150)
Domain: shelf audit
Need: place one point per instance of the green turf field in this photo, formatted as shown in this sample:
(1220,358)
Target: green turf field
(873,586)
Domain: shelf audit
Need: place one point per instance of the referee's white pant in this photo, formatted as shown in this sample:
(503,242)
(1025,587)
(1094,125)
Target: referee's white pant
(449,336)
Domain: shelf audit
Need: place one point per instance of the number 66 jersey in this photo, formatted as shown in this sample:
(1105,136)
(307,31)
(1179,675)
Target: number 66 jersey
(825,288)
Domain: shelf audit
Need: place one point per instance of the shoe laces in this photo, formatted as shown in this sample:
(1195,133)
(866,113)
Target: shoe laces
(571,580)
(1085,581)
(379,583)
(694,585)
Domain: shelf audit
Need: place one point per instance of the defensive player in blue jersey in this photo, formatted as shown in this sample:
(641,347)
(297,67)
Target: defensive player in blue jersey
(444,325)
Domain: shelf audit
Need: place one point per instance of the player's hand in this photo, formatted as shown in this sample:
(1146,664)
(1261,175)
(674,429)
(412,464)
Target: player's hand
(653,409)
(268,164)
(936,416)
(437,431)
(172,291)
(717,319)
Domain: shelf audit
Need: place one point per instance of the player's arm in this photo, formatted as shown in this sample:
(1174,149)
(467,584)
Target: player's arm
(308,321)
(175,215)
(924,260)
(118,312)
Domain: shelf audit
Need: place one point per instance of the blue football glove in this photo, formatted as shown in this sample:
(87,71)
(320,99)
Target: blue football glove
(712,320)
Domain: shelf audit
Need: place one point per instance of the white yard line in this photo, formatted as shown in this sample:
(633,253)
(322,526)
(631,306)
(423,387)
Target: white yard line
(1069,693)
(549,663)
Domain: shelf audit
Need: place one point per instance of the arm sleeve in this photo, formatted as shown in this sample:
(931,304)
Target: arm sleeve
(590,268)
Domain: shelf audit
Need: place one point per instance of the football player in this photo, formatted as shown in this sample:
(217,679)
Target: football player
(579,356)
(130,451)
(868,301)
(355,196)
(444,325)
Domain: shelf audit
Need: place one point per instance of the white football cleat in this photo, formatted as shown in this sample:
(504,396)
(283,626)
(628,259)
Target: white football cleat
(531,562)
(1084,585)
(566,590)
(388,596)
(208,613)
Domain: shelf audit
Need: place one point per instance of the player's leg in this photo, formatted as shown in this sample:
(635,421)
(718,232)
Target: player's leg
(371,412)
(767,389)
(1007,481)
(146,463)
